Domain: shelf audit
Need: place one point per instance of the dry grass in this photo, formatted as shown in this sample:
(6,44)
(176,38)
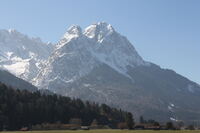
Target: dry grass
(107,131)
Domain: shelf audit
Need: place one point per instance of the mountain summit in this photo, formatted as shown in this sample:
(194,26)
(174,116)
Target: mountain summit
(99,64)
(78,53)
(99,31)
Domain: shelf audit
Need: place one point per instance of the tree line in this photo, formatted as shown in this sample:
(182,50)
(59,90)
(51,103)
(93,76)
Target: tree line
(21,108)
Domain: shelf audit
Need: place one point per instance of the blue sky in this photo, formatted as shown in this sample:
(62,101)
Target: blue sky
(166,32)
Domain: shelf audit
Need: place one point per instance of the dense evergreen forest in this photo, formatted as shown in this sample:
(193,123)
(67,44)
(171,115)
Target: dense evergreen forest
(21,108)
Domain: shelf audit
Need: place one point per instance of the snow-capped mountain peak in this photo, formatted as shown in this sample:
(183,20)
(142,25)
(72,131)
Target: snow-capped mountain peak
(12,31)
(98,31)
(78,53)
(73,30)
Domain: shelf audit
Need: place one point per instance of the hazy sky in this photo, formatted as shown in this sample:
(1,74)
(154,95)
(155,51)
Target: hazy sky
(166,32)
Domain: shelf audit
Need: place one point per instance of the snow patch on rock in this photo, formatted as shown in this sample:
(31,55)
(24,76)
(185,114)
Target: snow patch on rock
(22,55)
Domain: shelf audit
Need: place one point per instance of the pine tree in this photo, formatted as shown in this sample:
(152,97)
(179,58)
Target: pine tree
(129,120)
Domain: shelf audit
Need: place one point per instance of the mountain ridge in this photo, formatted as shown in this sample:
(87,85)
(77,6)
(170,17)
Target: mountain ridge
(21,54)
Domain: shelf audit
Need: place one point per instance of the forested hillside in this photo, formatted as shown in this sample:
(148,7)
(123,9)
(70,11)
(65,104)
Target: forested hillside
(20,108)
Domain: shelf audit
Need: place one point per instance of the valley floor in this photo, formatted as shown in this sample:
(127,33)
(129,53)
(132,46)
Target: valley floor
(109,131)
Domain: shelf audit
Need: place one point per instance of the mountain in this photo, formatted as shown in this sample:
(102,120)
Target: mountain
(78,53)
(99,64)
(21,55)
(15,82)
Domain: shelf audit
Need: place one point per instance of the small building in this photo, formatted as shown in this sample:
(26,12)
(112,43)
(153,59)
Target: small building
(24,129)
(85,128)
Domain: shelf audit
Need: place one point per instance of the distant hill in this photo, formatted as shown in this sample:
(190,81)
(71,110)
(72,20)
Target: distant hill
(15,82)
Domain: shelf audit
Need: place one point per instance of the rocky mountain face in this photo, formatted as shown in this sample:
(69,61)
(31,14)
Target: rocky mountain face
(21,55)
(99,64)
(78,53)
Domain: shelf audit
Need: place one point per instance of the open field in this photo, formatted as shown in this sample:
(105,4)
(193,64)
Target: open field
(109,131)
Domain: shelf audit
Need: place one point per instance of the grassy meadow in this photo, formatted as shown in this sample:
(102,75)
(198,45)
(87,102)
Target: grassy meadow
(109,131)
